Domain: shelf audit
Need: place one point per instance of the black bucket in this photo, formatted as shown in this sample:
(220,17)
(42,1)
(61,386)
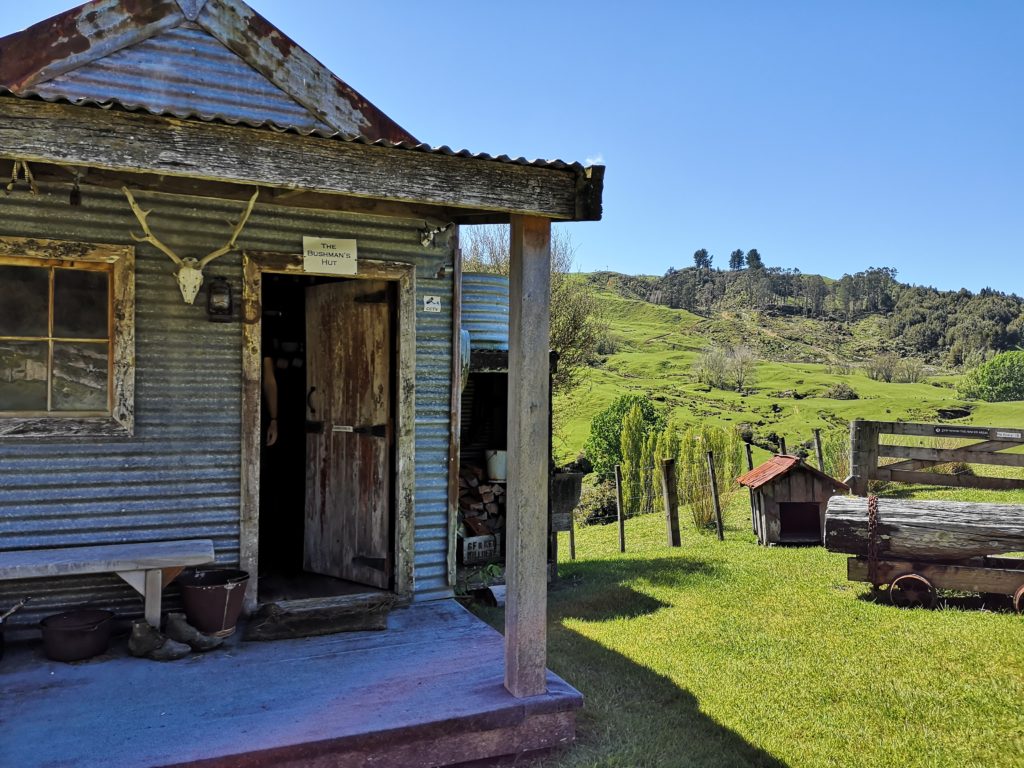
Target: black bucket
(76,635)
(213,599)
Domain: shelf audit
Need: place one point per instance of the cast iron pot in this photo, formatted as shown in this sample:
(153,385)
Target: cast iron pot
(76,635)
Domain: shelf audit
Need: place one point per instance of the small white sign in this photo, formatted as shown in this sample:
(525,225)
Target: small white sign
(431,303)
(1009,435)
(329,255)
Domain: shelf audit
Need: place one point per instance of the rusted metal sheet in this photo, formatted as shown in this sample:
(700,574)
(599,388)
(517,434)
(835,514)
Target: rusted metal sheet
(79,35)
(153,75)
(777,466)
(485,310)
(48,58)
(179,477)
(780,466)
(292,69)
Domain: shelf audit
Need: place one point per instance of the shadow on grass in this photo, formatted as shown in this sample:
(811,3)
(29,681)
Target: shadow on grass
(633,717)
(675,571)
(599,591)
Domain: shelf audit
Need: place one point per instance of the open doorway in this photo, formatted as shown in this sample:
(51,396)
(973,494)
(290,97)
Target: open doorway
(327,461)
(800,522)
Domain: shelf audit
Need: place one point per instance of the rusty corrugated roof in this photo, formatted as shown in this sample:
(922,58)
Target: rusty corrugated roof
(779,466)
(57,59)
(117,54)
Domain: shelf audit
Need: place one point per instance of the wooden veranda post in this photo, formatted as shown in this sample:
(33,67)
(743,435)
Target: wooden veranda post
(526,526)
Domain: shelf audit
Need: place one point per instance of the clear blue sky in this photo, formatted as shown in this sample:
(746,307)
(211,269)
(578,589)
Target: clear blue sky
(830,136)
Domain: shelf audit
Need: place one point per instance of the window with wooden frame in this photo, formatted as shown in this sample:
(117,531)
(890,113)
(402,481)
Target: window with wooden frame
(67,338)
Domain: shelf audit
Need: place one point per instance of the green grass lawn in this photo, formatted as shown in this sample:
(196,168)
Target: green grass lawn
(729,654)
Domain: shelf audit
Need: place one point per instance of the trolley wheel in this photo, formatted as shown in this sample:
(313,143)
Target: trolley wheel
(1018,599)
(911,590)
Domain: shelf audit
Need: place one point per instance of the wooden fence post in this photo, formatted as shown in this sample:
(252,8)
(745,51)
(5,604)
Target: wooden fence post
(817,450)
(620,508)
(670,492)
(782,446)
(714,495)
(572,537)
(863,455)
(750,466)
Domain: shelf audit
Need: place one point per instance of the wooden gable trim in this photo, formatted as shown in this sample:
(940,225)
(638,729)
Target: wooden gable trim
(141,143)
(288,66)
(69,40)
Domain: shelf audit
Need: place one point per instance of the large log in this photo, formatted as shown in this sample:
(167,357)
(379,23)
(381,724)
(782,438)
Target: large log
(925,530)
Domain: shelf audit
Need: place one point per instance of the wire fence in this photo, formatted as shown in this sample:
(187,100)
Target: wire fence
(699,473)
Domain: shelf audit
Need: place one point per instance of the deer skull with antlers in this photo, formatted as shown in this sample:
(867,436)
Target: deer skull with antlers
(190,270)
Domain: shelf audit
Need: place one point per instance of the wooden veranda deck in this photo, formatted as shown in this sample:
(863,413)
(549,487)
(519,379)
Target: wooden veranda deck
(428,691)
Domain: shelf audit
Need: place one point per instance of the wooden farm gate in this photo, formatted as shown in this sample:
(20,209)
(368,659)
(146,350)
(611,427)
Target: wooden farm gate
(917,463)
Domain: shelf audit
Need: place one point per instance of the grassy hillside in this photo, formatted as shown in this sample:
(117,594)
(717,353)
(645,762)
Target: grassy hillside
(655,347)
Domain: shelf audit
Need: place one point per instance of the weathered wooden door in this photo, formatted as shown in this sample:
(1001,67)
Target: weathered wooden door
(348,443)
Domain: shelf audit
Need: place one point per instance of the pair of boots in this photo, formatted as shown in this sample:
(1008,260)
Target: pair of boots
(178,639)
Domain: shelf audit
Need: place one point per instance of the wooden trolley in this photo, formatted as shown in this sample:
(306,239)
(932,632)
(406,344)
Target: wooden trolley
(914,584)
(917,547)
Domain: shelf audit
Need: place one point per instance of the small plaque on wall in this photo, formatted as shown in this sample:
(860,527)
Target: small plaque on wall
(331,256)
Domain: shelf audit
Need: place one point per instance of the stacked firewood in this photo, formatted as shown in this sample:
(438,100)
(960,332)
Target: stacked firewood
(481,503)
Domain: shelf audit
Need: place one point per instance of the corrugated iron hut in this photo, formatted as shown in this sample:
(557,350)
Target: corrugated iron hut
(788,500)
(228,314)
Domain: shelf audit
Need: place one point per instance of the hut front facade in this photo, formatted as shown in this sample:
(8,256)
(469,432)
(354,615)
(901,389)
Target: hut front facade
(229,291)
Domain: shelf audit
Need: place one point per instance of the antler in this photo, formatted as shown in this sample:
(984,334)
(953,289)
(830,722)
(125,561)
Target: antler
(190,270)
(149,237)
(230,246)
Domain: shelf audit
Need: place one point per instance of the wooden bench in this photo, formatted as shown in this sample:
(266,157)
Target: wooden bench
(147,567)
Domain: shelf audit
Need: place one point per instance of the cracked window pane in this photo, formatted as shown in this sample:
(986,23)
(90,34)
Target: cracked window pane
(23,375)
(79,376)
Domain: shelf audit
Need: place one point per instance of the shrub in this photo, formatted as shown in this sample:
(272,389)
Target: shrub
(604,446)
(841,391)
(733,367)
(597,504)
(892,368)
(835,450)
(710,368)
(692,470)
(998,380)
(909,370)
(882,367)
(840,368)
(631,445)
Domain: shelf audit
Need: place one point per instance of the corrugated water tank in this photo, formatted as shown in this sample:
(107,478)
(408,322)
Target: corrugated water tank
(485,309)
